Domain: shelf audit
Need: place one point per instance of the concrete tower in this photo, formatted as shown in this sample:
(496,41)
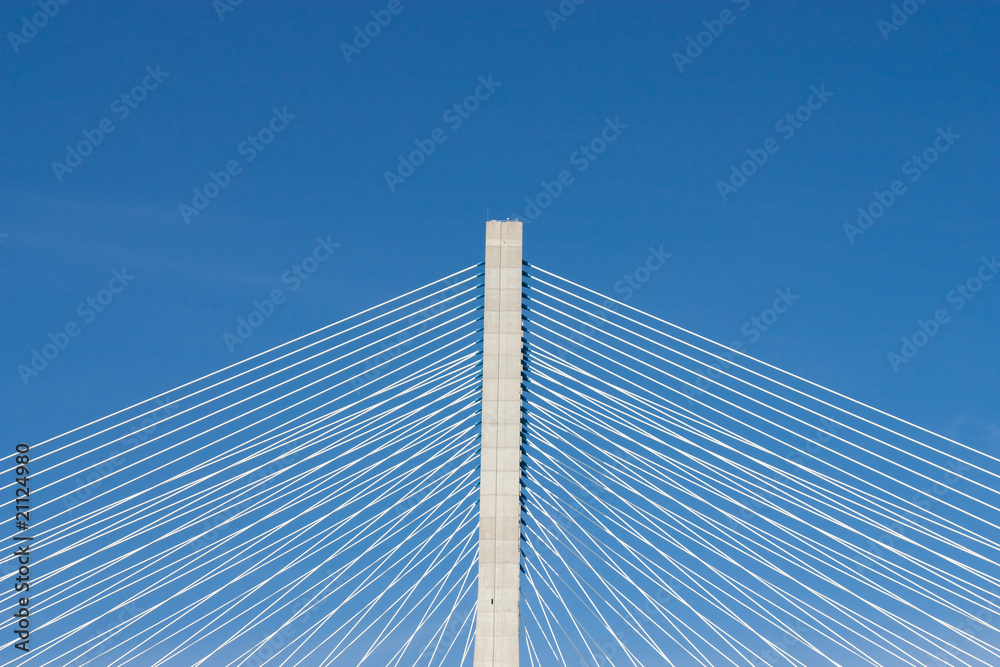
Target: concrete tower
(497,620)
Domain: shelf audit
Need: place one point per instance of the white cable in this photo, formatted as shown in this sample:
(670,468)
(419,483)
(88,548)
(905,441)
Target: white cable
(302,529)
(747,471)
(775,368)
(445,372)
(665,510)
(260,354)
(798,450)
(255,409)
(264,536)
(780,412)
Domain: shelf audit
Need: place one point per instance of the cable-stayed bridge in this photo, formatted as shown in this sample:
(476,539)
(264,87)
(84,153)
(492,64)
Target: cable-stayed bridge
(366,495)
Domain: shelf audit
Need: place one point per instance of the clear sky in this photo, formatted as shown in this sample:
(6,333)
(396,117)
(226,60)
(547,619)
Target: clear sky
(556,82)
(167,165)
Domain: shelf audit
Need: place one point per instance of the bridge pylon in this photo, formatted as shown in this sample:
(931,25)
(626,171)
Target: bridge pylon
(497,619)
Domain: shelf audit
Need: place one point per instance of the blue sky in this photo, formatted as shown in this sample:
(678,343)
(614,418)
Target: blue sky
(297,133)
(655,185)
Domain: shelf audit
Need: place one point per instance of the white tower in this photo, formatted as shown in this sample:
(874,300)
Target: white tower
(497,620)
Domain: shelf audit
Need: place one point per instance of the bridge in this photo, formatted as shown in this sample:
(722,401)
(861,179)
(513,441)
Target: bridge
(505,467)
